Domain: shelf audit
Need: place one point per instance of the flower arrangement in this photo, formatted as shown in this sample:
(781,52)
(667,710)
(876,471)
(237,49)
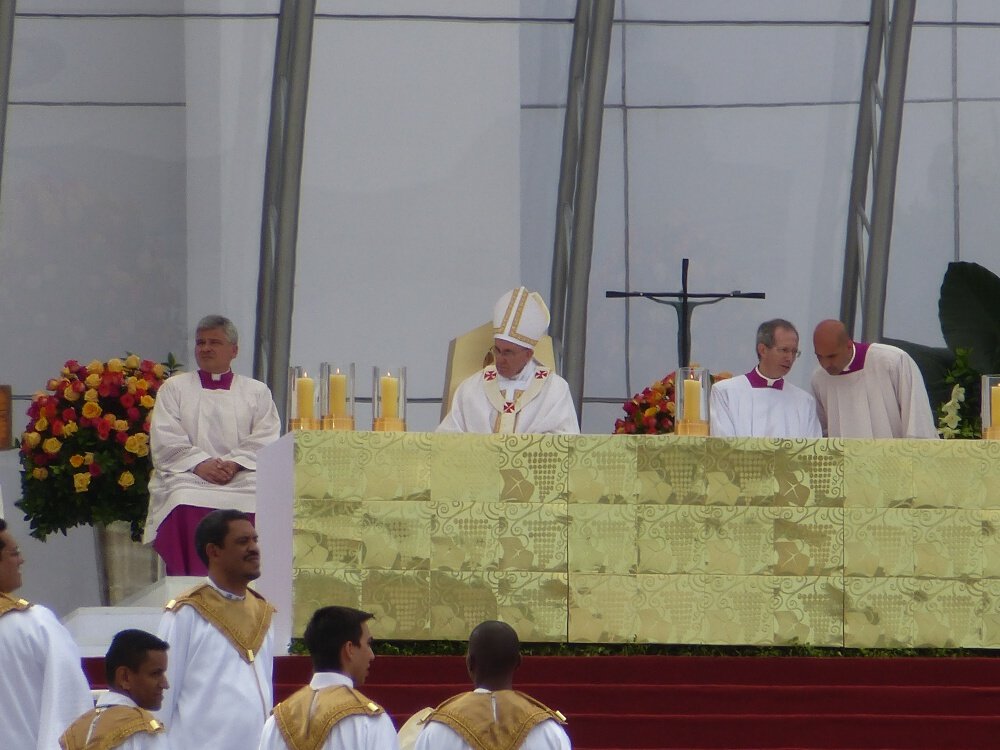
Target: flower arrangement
(652,411)
(85,452)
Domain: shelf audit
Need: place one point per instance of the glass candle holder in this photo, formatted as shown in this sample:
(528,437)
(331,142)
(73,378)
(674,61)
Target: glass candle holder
(990,406)
(692,388)
(336,396)
(301,404)
(389,399)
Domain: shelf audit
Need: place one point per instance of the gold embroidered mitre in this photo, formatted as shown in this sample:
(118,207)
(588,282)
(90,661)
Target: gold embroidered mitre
(472,716)
(9,604)
(244,622)
(307,717)
(112,726)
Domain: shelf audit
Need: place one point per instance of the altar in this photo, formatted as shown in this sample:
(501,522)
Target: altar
(639,538)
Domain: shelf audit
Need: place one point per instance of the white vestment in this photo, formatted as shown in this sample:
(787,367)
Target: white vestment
(884,398)
(191,424)
(42,686)
(216,699)
(358,732)
(140,740)
(537,401)
(740,410)
(546,735)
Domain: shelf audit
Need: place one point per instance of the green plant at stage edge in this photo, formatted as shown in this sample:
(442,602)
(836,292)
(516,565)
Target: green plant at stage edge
(457,648)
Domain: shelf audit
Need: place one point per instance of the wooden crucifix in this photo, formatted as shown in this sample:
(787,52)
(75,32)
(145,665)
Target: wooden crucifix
(684,303)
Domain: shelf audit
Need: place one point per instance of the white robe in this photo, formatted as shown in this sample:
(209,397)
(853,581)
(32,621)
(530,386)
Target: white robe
(546,735)
(358,732)
(740,410)
(42,686)
(140,740)
(216,699)
(191,424)
(886,398)
(549,412)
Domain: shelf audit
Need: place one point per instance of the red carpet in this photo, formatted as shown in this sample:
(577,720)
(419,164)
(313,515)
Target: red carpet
(719,702)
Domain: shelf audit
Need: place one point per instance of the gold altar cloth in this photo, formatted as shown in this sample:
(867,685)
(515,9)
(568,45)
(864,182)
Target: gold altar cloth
(662,539)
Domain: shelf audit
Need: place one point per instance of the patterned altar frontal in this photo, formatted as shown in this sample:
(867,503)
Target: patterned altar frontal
(660,539)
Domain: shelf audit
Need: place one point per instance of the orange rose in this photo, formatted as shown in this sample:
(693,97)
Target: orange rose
(91,410)
(147,401)
(76,460)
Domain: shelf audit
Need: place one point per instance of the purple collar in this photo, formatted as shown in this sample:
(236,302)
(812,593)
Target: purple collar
(858,361)
(215,382)
(759,381)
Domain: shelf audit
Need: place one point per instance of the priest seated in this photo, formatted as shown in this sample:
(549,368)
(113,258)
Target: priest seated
(205,431)
(761,403)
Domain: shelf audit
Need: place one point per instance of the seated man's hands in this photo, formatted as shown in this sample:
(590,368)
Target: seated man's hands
(217,471)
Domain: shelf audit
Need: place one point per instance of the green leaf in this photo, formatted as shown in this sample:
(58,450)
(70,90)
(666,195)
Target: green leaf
(969,310)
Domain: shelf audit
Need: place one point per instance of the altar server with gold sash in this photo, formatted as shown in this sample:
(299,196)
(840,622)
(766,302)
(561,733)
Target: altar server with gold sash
(221,644)
(42,686)
(136,669)
(330,713)
(494,716)
(516,393)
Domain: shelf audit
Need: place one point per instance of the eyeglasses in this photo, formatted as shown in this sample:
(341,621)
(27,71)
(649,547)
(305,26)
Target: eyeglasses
(785,351)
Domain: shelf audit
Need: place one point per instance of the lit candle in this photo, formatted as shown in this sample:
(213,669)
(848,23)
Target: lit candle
(388,388)
(995,406)
(304,391)
(692,400)
(338,394)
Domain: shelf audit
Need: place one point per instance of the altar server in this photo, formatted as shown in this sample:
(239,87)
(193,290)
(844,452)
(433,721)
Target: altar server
(493,715)
(515,393)
(206,429)
(42,686)
(868,390)
(761,403)
(221,644)
(136,668)
(330,713)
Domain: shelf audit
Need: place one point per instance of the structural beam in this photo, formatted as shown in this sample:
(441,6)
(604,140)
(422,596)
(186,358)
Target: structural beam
(8,9)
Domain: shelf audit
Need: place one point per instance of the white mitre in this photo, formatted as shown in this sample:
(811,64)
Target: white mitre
(520,317)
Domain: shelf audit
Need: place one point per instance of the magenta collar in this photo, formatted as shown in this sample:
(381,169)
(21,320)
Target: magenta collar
(215,382)
(759,381)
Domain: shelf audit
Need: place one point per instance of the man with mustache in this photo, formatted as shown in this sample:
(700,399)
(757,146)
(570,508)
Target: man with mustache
(136,668)
(222,643)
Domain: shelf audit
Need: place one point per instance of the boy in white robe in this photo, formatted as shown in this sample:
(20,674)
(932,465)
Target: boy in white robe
(515,393)
(42,685)
(761,403)
(868,390)
(221,644)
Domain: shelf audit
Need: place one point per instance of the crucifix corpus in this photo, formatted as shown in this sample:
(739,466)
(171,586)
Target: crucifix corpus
(684,303)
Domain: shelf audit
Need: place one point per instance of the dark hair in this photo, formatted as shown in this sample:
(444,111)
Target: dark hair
(128,649)
(328,630)
(3,528)
(494,651)
(212,529)
(765,332)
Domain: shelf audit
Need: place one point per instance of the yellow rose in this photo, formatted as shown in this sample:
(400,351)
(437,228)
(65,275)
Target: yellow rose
(132,445)
(91,395)
(76,460)
(110,419)
(96,366)
(132,361)
(141,384)
(88,458)
(143,450)
(91,410)
(69,394)
(159,370)
(31,439)
(40,472)
(81,481)
(93,380)
(147,401)
(126,480)
(41,424)
(70,428)
(121,425)
(115,365)
(52,445)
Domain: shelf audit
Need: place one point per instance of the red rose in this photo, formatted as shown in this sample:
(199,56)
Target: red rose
(50,410)
(79,386)
(57,428)
(94,469)
(40,458)
(121,437)
(128,458)
(630,407)
(133,414)
(145,426)
(104,390)
(103,429)
(128,400)
(33,410)
(69,414)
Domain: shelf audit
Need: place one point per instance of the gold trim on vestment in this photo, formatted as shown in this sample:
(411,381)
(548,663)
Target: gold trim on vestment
(472,716)
(112,726)
(244,622)
(10,604)
(507,412)
(306,718)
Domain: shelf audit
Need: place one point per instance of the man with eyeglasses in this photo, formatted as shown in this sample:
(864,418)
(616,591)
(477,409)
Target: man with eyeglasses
(868,390)
(761,403)
(515,393)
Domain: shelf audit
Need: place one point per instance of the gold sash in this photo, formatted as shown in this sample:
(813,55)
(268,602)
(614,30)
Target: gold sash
(112,726)
(471,715)
(305,721)
(10,604)
(243,622)
(507,411)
